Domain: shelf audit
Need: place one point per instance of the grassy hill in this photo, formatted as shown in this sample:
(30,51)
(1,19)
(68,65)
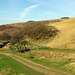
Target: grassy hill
(66,35)
(36,37)
(38,33)
(57,33)
(29,28)
(15,27)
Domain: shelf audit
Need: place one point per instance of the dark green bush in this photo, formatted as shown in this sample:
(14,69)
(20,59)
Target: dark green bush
(65,18)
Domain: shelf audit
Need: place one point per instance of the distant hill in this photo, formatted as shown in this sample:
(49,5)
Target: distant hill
(66,35)
(35,30)
(59,33)
(15,27)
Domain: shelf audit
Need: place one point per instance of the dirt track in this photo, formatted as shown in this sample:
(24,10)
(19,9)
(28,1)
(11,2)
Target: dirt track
(37,67)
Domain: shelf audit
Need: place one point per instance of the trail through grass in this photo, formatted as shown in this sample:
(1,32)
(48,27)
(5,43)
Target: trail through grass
(55,59)
(9,66)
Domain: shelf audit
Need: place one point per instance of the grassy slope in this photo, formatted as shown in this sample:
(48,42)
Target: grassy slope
(10,66)
(66,36)
(16,27)
(57,60)
(36,33)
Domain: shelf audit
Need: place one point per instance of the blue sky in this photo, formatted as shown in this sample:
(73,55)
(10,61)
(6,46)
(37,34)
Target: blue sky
(13,11)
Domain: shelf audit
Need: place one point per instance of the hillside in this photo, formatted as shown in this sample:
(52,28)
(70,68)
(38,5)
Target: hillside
(40,33)
(37,33)
(66,35)
(15,27)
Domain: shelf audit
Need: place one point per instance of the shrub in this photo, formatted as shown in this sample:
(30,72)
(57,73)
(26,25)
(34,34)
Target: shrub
(40,31)
(5,36)
(30,21)
(37,31)
(65,18)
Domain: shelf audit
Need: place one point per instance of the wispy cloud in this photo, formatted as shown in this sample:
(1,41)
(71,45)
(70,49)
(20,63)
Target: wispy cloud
(59,5)
(7,18)
(22,15)
(18,19)
(27,10)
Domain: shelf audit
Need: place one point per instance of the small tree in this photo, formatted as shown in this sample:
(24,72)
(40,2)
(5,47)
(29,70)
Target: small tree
(65,18)
(30,21)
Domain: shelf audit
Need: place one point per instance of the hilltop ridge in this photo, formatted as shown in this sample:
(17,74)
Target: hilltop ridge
(15,27)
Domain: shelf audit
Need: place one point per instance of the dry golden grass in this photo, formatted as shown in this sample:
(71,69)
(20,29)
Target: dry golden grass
(70,66)
(66,37)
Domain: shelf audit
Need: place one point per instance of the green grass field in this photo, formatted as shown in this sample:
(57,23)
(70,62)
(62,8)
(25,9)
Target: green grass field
(54,58)
(59,61)
(9,66)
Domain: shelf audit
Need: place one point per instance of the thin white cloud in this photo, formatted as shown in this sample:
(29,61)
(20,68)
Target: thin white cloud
(23,14)
(27,10)
(60,5)
(7,18)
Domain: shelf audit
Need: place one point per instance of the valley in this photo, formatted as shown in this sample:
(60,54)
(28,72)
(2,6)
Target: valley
(39,47)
